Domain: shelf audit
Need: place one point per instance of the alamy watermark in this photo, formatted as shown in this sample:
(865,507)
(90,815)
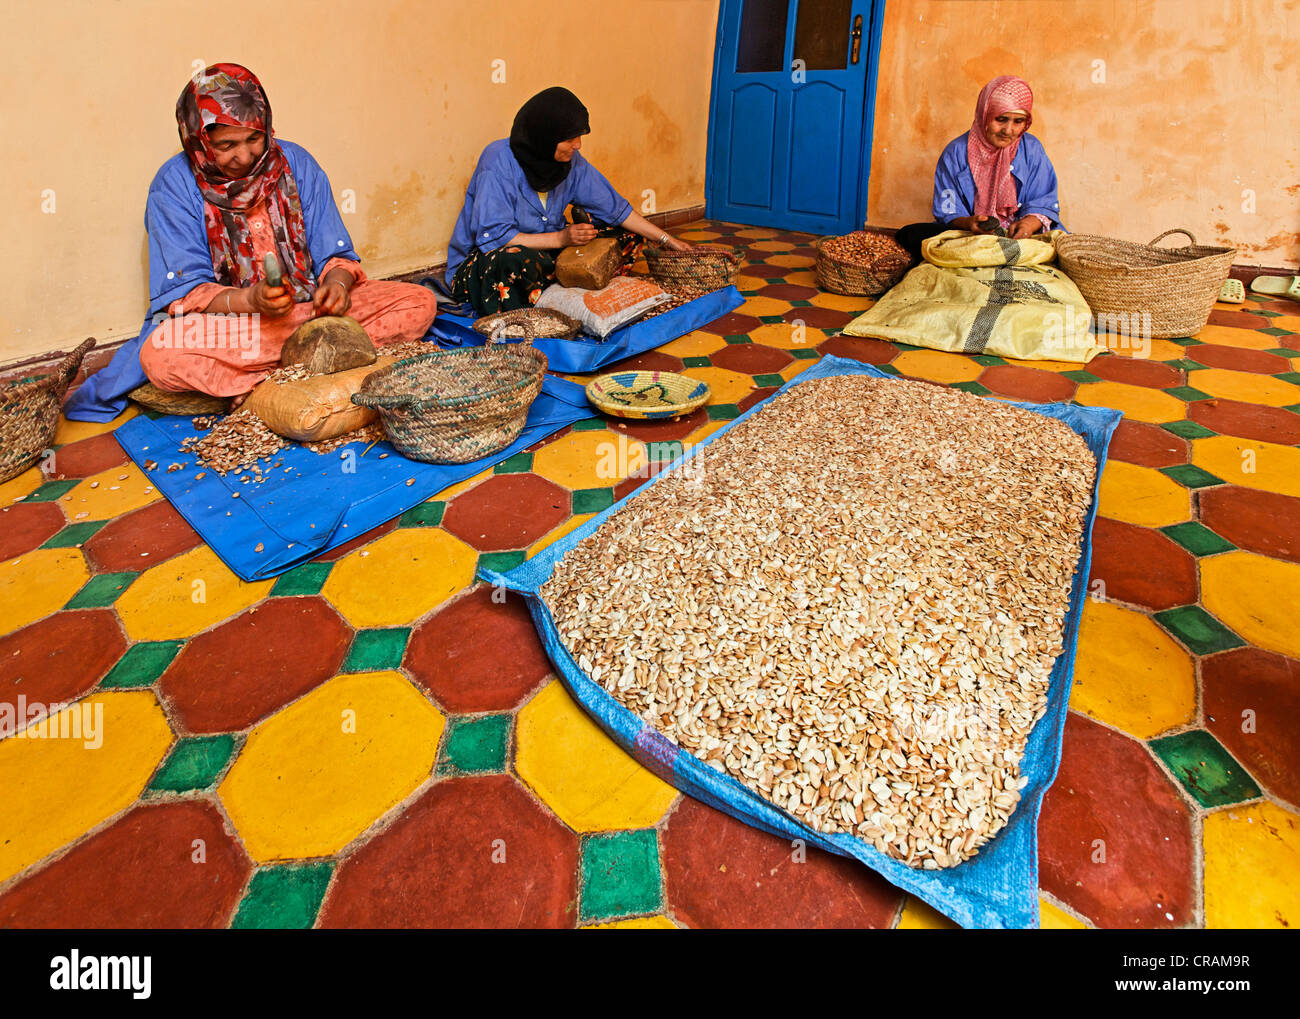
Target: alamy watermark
(34,720)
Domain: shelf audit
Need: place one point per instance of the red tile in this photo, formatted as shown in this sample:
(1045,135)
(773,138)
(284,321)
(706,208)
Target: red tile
(1135,371)
(859,348)
(25,526)
(720,873)
(1236,320)
(1141,566)
(788,292)
(732,324)
(765,270)
(470,852)
(1263,522)
(156,529)
(59,658)
(751,358)
(1247,420)
(361,540)
(86,457)
(507,511)
(1214,355)
(821,318)
(1032,384)
(1282,307)
(1147,445)
(478,654)
(757,396)
(167,865)
(1111,798)
(1252,700)
(650,361)
(233,676)
(1292,341)
(665,430)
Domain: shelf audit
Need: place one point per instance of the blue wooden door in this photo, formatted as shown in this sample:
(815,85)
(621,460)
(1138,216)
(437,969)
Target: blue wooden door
(790,122)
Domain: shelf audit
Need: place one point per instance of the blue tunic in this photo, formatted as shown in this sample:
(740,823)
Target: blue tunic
(954,185)
(499,203)
(179,260)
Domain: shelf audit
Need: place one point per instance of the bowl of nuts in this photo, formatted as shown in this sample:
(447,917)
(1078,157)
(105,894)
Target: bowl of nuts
(864,263)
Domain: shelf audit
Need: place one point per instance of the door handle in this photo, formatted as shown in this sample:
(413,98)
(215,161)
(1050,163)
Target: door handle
(857,39)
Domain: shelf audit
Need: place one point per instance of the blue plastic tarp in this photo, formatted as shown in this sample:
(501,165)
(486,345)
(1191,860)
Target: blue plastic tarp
(996,888)
(314,502)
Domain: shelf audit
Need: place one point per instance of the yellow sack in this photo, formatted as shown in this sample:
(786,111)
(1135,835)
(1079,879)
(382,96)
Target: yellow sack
(980,294)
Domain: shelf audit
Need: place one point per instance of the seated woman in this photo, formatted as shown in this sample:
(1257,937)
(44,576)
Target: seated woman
(994,171)
(502,252)
(234,194)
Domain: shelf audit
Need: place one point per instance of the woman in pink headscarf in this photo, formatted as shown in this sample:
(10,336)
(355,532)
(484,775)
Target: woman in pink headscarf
(995,177)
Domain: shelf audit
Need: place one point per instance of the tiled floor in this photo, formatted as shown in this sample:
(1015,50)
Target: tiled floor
(371,740)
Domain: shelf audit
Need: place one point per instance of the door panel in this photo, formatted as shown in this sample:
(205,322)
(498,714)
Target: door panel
(752,146)
(812,150)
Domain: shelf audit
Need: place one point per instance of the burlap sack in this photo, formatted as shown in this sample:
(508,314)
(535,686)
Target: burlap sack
(317,408)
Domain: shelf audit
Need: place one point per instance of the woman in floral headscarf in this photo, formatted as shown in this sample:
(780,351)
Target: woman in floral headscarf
(996,171)
(233,195)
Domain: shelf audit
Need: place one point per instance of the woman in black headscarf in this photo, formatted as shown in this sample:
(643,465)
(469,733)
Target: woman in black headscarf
(502,252)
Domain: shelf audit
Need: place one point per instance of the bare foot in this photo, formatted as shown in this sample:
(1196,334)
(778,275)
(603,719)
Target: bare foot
(235,401)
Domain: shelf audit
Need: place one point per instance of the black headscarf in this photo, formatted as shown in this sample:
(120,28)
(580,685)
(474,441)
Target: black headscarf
(550,117)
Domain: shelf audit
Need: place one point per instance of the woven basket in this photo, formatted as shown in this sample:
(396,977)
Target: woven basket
(647,394)
(1177,287)
(705,265)
(164,402)
(840,276)
(29,413)
(547,324)
(454,406)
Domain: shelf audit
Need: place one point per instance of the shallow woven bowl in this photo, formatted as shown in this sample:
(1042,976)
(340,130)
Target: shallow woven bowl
(165,402)
(547,323)
(647,395)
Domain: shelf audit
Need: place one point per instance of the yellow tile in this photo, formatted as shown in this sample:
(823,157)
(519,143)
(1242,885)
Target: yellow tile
(589,459)
(1138,402)
(400,577)
(24,484)
(772,246)
(801,279)
(640,923)
(1252,855)
(1247,462)
(1154,350)
(466,485)
(760,306)
(1289,322)
(1231,336)
(573,523)
(38,583)
(316,775)
(113,492)
(579,772)
(1048,365)
(703,432)
(725,386)
(921,916)
(938,366)
(699,235)
(184,595)
(792,261)
(1255,596)
(795,367)
(1052,918)
(1130,673)
(696,344)
(1248,387)
(787,335)
(57,789)
(73,431)
(842,302)
(753,233)
(1142,496)
(743,283)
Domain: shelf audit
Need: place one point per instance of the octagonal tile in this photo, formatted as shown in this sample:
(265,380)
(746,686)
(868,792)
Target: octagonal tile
(1030,384)
(1137,442)
(110,493)
(595,459)
(1255,596)
(1252,855)
(360,541)
(787,292)
(140,539)
(507,511)
(859,348)
(820,318)
(842,302)
(1247,387)
(1250,463)
(724,386)
(26,527)
(693,344)
(792,335)
(38,583)
(1248,420)
(938,366)
(650,361)
(732,324)
(1251,700)
(57,658)
(751,359)
(1136,371)
(1262,522)
(1135,401)
(69,432)
(1141,566)
(663,431)
(771,304)
(86,457)
(184,595)
(1142,496)
(1212,355)
(1229,336)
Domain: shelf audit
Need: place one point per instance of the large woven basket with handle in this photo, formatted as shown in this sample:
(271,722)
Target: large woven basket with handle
(454,406)
(1177,287)
(29,413)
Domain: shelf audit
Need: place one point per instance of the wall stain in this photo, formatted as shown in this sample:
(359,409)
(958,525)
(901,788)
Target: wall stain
(390,215)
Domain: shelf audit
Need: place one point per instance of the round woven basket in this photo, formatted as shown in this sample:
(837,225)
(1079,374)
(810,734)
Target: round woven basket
(710,266)
(454,406)
(29,413)
(854,279)
(1177,287)
(647,394)
(547,324)
(164,402)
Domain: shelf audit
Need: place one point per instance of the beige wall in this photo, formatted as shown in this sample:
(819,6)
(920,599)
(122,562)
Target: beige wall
(1197,110)
(394,98)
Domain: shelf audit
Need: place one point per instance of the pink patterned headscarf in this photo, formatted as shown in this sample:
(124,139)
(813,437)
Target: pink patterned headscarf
(995,188)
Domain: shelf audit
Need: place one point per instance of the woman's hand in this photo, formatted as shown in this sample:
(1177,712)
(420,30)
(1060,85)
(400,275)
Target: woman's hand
(672,242)
(332,298)
(268,300)
(1026,227)
(577,233)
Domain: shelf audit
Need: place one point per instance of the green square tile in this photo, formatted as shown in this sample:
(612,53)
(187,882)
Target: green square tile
(769,380)
(620,875)
(75,534)
(1188,394)
(888,369)
(772,319)
(377,650)
(1185,364)
(52,490)
(1197,538)
(102,591)
(596,424)
(1294,408)
(306,579)
(1186,341)
(150,413)
(904,346)
(283,898)
(592,500)
(1275,331)
(1081,376)
(520,463)
(1292,377)
(1263,312)
(801,304)
(1190,475)
(142,664)
(1199,630)
(972,387)
(1187,429)
(988,360)
(1206,770)
(696,362)
(804,353)
(738,339)
(193,764)
(477,744)
(427,514)
(1283,352)
(500,562)
(722,411)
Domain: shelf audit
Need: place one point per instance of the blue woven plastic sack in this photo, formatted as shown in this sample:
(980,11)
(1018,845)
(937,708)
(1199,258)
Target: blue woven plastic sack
(998,887)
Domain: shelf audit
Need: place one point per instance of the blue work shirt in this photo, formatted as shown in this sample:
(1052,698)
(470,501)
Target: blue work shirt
(954,185)
(179,260)
(499,203)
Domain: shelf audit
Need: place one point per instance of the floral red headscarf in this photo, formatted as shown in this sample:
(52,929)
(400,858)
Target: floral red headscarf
(995,188)
(227,94)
